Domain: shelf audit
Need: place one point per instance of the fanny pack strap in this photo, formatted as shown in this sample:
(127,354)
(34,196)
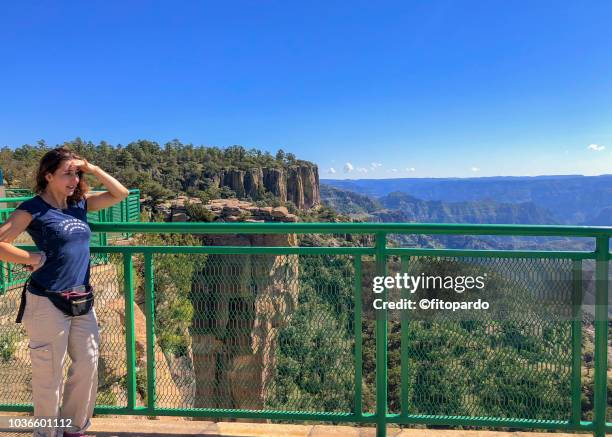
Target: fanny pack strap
(22,304)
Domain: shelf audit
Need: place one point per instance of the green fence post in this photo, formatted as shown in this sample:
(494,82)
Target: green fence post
(381,343)
(576,340)
(357,406)
(2,278)
(602,256)
(130,345)
(404,361)
(105,218)
(2,264)
(150,314)
(103,235)
(9,274)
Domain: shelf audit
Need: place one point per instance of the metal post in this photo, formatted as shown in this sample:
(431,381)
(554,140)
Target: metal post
(9,274)
(130,345)
(576,340)
(357,404)
(3,268)
(404,361)
(602,257)
(150,313)
(3,280)
(381,343)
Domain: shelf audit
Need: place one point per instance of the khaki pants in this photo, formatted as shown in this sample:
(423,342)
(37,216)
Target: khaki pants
(52,334)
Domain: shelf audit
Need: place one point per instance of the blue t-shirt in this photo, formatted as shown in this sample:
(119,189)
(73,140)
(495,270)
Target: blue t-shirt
(63,234)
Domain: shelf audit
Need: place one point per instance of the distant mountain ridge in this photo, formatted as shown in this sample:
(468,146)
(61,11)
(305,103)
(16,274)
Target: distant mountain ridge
(400,207)
(570,199)
(348,202)
(403,207)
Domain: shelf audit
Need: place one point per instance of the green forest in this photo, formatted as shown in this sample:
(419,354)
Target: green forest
(159,171)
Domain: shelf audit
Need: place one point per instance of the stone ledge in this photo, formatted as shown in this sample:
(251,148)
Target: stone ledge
(225,210)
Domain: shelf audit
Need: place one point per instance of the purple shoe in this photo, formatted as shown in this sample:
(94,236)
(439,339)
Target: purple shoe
(74,434)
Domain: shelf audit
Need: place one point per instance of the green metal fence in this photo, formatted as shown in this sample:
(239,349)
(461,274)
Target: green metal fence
(17,192)
(288,333)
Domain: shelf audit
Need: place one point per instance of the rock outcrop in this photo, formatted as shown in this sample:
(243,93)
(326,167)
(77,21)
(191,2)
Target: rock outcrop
(275,181)
(240,303)
(253,182)
(225,210)
(243,301)
(298,184)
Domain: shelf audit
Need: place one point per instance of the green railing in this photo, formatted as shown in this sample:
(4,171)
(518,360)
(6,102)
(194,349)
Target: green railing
(288,333)
(17,192)
(128,210)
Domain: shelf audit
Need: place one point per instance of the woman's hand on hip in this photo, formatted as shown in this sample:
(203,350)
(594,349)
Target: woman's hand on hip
(38,260)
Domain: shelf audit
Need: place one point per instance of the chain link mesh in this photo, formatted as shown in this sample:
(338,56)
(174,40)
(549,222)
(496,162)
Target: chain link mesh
(254,332)
(518,367)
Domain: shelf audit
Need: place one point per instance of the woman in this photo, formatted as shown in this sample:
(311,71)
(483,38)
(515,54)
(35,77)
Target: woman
(56,219)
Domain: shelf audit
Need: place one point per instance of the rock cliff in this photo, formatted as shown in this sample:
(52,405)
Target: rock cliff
(240,302)
(239,306)
(298,184)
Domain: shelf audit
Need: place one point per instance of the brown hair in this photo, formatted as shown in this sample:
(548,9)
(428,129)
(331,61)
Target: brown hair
(49,164)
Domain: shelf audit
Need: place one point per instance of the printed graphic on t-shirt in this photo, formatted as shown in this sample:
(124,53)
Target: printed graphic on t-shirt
(73,226)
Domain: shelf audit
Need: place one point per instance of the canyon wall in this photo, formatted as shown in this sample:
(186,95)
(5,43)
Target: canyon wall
(298,184)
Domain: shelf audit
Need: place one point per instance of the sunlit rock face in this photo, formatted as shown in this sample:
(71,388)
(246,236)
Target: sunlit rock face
(240,302)
(298,184)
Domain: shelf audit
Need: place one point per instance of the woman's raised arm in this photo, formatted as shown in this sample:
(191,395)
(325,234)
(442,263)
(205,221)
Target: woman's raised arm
(115,194)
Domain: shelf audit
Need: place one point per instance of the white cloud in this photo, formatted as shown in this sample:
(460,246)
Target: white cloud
(361,170)
(394,170)
(375,165)
(596,147)
(475,169)
(410,169)
(348,167)
(331,170)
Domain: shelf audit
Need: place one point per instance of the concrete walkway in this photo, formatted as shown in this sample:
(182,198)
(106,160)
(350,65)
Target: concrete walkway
(120,427)
(171,427)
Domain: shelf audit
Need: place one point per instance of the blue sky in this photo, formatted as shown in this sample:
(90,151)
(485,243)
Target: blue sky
(428,88)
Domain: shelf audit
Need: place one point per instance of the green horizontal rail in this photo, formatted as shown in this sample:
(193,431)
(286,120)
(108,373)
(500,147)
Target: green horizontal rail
(576,255)
(490,422)
(357,228)
(380,253)
(14,199)
(229,250)
(284,250)
(238,413)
